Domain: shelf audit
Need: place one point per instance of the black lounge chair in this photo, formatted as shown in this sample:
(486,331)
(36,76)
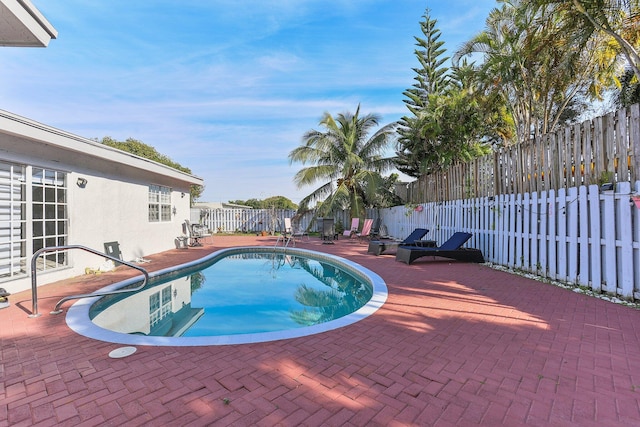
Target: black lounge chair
(375,229)
(377,247)
(452,248)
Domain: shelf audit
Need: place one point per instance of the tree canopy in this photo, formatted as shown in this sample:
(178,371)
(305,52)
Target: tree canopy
(450,119)
(275,202)
(141,149)
(616,24)
(547,58)
(536,66)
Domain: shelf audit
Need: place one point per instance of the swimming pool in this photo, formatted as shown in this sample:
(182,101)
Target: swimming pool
(191,320)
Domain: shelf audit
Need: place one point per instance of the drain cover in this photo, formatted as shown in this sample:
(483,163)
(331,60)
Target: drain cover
(122,352)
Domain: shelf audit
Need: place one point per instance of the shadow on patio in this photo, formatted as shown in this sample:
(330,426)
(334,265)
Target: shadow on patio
(454,344)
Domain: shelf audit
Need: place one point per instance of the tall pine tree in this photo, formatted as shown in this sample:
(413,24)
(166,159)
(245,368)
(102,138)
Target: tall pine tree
(431,78)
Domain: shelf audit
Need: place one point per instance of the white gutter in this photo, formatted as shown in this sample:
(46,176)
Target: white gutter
(39,17)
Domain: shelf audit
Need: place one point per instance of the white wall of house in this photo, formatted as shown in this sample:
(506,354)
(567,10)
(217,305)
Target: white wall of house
(111,209)
(113,205)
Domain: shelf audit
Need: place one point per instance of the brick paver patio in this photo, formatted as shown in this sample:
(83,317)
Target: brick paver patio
(455,344)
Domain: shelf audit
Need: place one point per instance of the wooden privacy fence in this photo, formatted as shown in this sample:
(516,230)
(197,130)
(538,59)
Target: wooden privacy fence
(579,235)
(605,149)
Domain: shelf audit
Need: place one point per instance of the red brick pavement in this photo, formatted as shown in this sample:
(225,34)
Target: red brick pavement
(455,344)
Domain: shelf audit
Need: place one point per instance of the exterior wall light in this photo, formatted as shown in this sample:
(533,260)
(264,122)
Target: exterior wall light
(82,182)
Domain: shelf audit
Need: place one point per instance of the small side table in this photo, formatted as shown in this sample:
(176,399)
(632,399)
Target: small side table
(377,247)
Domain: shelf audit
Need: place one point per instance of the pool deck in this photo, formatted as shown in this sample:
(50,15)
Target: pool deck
(455,344)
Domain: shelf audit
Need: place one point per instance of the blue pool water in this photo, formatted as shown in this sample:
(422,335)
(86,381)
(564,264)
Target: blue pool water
(237,295)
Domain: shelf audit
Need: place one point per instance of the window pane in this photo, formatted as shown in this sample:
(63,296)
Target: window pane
(5,189)
(19,193)
(154,301)
(38,174)
(49,195)
(166,295)
(166,213)
(37,194)
(49,211)
(38,229)
(38,211)
(19,212)
(61,179)
(154,213)
(49,177)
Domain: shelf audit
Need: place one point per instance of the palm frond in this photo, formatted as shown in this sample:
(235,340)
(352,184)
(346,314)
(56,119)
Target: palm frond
(338,154)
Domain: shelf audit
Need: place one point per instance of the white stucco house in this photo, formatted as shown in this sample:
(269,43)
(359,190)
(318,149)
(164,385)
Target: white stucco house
(58,189)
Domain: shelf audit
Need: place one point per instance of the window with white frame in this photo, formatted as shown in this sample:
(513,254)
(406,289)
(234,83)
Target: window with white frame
(50,219)
(159,203)
(13,220)
(159,306)
(42,213)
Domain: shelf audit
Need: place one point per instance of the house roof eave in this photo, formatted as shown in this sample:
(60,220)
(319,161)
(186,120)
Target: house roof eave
(22,127)
(22,25)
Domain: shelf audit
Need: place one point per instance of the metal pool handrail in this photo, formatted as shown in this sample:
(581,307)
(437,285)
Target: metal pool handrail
(56,309)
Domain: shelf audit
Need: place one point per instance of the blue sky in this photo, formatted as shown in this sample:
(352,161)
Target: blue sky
(226,87)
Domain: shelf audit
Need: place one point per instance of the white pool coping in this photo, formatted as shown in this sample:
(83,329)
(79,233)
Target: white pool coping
(78,319)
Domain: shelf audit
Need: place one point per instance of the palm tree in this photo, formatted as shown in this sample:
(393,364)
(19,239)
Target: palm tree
(615,26)
(629,90)
(344,294)
(529,58)
(617,19)
(345,160)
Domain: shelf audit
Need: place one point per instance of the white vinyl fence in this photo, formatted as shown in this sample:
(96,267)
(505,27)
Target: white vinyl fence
(258,220)
(241,220)
(581,236)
